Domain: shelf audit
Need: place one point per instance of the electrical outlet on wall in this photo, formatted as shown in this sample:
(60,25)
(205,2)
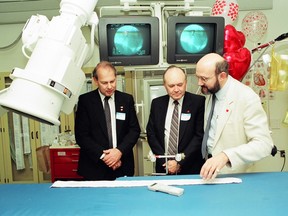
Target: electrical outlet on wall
(282,153)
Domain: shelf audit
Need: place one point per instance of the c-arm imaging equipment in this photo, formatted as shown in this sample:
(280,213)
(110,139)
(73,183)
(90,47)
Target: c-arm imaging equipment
(52,79)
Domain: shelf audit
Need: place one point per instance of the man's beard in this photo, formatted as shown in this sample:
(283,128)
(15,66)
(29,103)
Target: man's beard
(205,90)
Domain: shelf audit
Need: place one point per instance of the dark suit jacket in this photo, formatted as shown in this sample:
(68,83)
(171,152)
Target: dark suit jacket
(190,132)
(92,137)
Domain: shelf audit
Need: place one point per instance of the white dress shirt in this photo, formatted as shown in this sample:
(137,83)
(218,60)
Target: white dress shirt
(219,103)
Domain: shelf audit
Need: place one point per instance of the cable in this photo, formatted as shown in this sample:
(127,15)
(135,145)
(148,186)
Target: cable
(261,54)
(92,44)
(284,162)
(13,43)
(282,154)
(24,52)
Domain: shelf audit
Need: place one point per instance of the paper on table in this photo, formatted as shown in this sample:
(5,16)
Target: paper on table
(141,183)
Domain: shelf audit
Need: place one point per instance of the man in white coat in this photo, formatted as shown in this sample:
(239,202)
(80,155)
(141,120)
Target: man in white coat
(239,134)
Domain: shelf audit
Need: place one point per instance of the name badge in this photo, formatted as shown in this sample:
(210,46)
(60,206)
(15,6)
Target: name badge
(185,116)
(120,116)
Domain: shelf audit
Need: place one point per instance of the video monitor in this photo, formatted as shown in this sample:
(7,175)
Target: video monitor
(129,40)
(190,38)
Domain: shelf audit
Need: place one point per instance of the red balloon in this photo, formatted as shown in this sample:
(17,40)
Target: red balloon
(239,62)
(233,39)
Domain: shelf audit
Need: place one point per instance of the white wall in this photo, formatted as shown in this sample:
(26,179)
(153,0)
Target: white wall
(277,24)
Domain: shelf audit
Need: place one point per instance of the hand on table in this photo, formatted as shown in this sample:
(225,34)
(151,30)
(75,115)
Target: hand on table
(213,165)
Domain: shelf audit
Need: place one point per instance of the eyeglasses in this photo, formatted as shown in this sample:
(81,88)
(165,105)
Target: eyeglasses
(204,79)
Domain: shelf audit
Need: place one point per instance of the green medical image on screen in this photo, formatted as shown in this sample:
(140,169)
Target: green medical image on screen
(193,39)
(128,41)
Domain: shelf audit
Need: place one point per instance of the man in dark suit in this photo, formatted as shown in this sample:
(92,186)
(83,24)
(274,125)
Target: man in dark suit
(190,125)
(106,155)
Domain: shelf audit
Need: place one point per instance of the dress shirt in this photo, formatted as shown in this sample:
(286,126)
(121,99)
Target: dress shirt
(219,103)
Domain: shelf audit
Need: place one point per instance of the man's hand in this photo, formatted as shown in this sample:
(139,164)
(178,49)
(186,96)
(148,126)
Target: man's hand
(117,165)
(213,165)
(172,166)
(112,157)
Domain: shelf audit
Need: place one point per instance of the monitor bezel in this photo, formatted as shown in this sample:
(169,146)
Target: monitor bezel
(131,60)
(172,57)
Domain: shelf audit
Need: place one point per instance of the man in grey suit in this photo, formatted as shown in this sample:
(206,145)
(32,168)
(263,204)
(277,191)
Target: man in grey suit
(190,125)
(239,134)
(106,155)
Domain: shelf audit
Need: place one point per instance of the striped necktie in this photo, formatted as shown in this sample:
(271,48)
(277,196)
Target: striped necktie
(173,137)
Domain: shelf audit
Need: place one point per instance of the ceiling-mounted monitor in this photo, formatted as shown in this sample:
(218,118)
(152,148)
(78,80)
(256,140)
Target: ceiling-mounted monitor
(191,37)
(129,40)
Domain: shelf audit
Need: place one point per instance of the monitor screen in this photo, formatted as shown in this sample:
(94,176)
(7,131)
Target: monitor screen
(190,38)
(129,40)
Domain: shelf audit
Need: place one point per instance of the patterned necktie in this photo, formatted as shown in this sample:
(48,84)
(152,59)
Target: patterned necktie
(108,120)
(206,133)
(173,137)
